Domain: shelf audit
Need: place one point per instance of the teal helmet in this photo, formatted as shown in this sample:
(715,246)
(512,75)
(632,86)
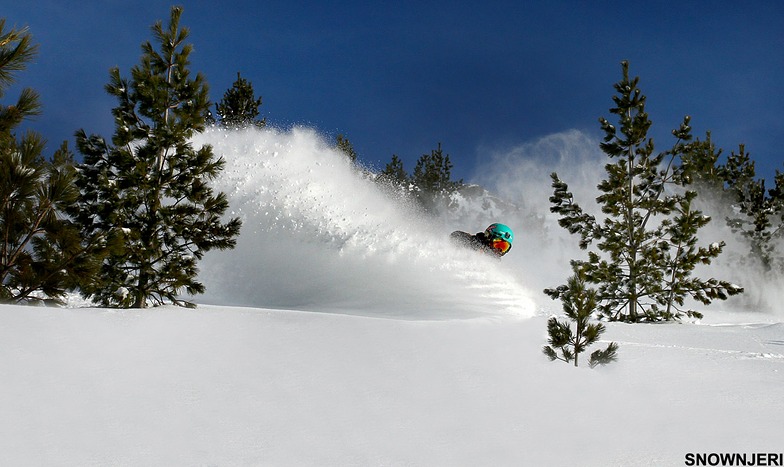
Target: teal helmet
(500,231)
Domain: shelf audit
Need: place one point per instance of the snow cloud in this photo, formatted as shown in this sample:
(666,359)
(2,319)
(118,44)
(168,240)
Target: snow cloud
(316,230)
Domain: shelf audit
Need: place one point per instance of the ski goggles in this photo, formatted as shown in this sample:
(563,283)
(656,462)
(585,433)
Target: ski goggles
(500,245)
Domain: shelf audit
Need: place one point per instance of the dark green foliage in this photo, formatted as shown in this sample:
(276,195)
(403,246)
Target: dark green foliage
(344,145)
(239,106)
(150,187)
(579,303)
(758,216)
(41,252)
(395,172)
(753,212)
(395,181)
(432,179)
(430,185)
(16,50)
(647,237)
(603,357)
(700,166)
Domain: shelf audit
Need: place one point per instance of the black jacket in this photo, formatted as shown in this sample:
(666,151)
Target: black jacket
(478,242)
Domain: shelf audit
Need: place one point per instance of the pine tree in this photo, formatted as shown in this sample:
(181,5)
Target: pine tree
(150,185)
(775,255)
(239,106)
(16,50)
(647,238)
(753,212)
(394,180)
(758,213)
(41,252)
(579,303)
(344,145)
(701,169)
(395,172)
(432,178)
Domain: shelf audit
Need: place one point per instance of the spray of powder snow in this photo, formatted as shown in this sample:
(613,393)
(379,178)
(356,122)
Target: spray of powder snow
(318,233)
(521,175)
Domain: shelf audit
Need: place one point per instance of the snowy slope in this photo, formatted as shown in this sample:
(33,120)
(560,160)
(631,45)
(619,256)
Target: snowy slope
(344,331)
(236,386)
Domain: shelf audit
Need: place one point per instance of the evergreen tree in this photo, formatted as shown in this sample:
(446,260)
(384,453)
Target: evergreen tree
(394,180)
(647,239)
(344,145)
(432,178)
(579,303)
(395,172)
(239,106)
(758,213)
(41,251)
(16,50)
(150,185)
(701,169)
(753,212)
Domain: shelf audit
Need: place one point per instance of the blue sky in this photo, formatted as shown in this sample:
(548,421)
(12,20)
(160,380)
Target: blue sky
(400,77)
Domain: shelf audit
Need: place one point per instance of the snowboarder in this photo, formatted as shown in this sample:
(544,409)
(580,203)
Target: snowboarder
(496,239)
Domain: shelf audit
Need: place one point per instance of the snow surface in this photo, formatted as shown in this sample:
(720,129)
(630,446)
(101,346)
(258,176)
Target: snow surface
(344,331)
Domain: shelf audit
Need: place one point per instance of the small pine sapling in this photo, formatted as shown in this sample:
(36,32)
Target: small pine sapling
(579,304)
